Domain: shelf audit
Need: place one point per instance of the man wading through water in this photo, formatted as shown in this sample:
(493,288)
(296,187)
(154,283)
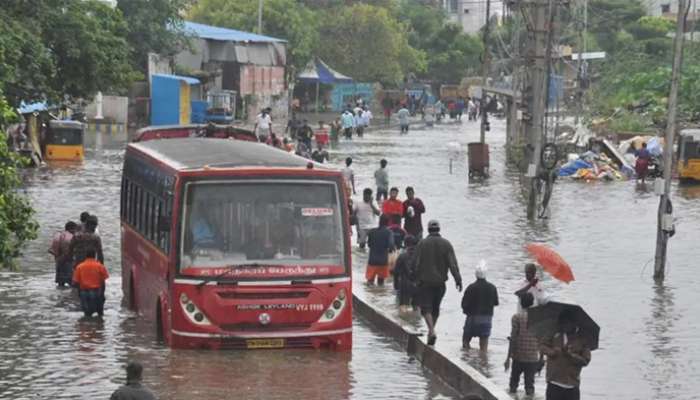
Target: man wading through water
(133,390)
(434,256)
(567,353)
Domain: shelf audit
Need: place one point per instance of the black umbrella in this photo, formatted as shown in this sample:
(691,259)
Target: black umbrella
(542,321)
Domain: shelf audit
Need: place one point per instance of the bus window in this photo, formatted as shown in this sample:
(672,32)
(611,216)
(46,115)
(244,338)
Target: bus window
(67,137)
(270,223)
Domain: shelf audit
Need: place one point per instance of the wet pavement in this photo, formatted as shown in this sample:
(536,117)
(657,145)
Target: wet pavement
(607,232)
(48,352)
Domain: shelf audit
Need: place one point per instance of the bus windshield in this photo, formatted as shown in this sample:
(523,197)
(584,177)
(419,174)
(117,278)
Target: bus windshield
(239,223)
(66,136)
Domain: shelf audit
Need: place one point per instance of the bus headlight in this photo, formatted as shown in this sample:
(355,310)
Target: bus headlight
(335,308)
(192,311)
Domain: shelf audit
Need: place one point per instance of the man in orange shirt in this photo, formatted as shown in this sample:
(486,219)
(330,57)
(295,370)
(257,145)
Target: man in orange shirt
(393,206)
(90,277)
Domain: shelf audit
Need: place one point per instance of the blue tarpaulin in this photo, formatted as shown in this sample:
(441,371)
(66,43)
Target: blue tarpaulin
(573,166)
(317,71)
(25,108)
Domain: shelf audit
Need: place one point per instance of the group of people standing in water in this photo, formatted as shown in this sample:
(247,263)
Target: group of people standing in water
(79,262)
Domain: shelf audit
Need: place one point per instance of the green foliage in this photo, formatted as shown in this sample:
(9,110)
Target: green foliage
(608,17)
(89,46)
(56,48)
(367,43)
(26,67)
(17,224)
(154,26)
(284,19)
(422,22)
(634,80)
(451,53)
(649,27)
(627,121)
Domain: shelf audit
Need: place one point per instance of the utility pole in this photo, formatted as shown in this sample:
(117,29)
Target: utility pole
(260,10)
(537,54)
(581,48)
(665,216)
(485,73)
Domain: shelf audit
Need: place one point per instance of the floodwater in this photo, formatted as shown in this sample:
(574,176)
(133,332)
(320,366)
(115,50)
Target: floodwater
(47,352)
(649,347)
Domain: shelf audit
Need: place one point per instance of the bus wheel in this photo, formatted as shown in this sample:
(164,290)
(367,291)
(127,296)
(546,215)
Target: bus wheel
(160,337)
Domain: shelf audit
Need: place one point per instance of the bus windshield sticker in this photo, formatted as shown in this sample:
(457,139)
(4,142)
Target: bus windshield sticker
(316,212)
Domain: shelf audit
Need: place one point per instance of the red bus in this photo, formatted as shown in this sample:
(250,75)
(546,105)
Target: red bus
(235,244)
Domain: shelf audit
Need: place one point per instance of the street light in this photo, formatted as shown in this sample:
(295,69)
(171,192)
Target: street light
(260,10)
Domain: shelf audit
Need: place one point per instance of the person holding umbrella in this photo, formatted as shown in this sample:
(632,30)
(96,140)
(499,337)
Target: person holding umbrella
(532,286)
(567,351)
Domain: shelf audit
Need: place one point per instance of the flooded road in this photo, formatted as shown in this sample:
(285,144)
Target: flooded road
(46,352)
(648,349)
(607,232)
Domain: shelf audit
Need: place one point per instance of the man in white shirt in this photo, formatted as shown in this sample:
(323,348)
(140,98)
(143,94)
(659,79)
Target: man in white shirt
(367,115)
(533,286)
(349,175)
(366,212)
(263,125)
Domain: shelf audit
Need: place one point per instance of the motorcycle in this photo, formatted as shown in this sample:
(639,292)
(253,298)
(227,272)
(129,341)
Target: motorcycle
(655,168)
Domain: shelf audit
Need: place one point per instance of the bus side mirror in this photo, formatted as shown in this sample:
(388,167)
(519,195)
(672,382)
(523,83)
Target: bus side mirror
(164,224)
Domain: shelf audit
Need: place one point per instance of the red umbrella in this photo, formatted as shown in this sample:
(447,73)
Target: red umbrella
(551,261)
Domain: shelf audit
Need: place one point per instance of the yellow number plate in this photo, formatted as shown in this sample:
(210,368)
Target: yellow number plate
(265,343)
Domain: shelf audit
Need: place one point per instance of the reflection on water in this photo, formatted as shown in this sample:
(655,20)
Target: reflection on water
(47,351)
(663,366)
(689,192)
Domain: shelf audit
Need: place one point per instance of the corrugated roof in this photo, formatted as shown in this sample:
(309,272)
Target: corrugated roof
(225,34)
(188,79)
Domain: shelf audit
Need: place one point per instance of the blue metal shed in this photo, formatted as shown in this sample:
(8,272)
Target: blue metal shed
(171,97)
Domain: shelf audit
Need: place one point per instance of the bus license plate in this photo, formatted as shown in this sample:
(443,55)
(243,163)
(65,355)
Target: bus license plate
(265,343)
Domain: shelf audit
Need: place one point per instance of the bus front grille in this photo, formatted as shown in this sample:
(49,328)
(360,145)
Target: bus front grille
(264,328)
(263,295)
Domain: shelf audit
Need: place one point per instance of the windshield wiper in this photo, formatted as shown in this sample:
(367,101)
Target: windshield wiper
(229,268)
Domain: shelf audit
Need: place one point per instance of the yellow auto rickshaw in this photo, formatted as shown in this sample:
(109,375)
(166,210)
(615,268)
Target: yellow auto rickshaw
(64,141)
(689,155)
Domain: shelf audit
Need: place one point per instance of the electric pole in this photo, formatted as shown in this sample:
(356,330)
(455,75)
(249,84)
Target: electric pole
(538,53)
(260,10)
(485,73)
(665,216)
(581,48)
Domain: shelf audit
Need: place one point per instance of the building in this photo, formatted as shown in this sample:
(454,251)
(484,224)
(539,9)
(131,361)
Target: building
(471,14)
(251,65)
(668,8)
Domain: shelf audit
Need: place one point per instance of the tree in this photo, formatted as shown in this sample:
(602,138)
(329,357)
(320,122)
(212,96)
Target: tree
(367,43)
(26,67)
(88,42)
(57,48)
(154,26)
(284,19)
(422,21)
(17,224)
(608,17)
(453,54)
